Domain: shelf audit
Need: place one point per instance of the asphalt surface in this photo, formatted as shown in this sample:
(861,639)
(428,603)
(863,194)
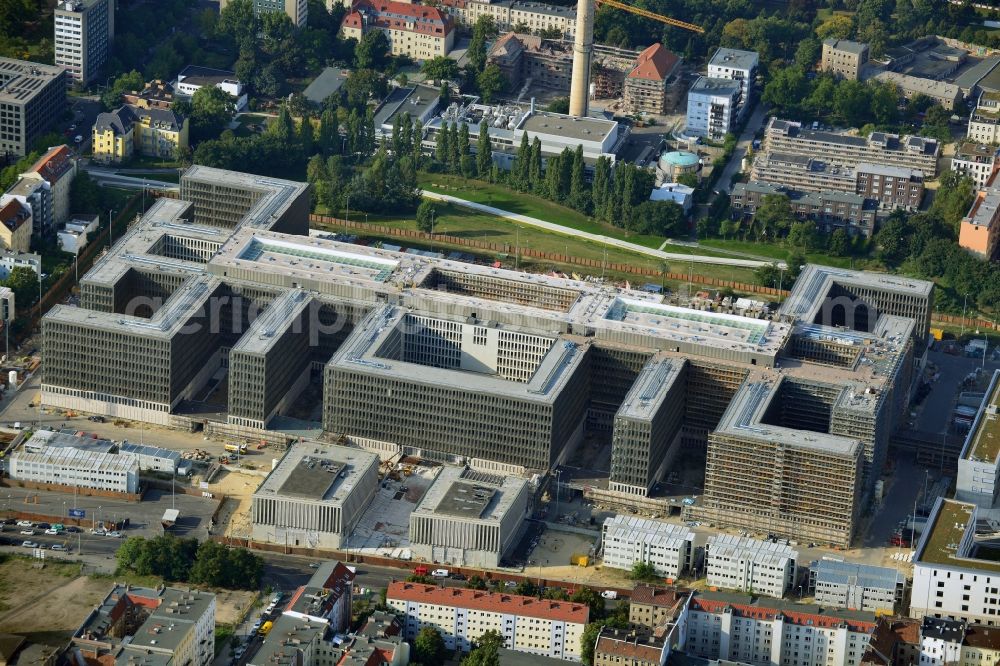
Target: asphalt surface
(936,411)
(756,121)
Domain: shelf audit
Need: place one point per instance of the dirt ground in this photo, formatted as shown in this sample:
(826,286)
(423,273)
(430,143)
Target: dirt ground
(46,605)
(231,605)
(234,518)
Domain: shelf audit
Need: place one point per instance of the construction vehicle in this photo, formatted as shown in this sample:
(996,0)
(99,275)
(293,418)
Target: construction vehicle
(650,15)
(236,448)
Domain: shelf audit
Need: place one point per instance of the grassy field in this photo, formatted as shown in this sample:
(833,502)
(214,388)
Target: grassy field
(778,252)
(456,221)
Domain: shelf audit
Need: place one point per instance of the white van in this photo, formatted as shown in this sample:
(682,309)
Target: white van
(440,573)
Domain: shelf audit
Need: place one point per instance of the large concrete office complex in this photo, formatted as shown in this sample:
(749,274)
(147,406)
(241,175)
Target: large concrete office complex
(856,586)
(750,565)
(84,36)
(222,293)
(469,518)
(314,497)
(979,463)
(32,98)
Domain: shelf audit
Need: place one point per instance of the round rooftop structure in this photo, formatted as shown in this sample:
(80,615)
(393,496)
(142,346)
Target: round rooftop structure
(678,162)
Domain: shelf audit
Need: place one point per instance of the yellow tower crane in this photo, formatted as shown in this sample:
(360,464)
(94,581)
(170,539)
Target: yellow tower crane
(583,47)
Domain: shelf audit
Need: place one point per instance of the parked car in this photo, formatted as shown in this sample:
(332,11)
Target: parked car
(99,531)
(114,535)
(25,523)
(609,594)
(58,546)
(440,573)
(52,532)
(458,576)
(29,544)
(28,532)
(96,419)
(43,526)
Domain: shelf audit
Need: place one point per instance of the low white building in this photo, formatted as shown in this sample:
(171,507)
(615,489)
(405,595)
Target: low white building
(941,641)
(315,496)
(767,631)
(979,463)
(537,626)
(682,195)
(73,235)
(740,563)
(712,107)
(856,586)
(628,539)
(153,458)
(10,260)
(193,78)
(79,468)
(469,518)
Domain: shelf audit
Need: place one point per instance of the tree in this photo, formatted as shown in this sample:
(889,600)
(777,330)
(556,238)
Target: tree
(808,53)
(885,103)
(588,639)
(484,151)
(329,133)
(282,128)
(578,185)
(643,571)
(484,30)
(803,235)
(425,216)
(442,151)
(660,218)
(306,136)
(840,243)
(773,217)
(239,22)
(892,240)
(838,26)
(428,646)
(84,194)
(372,51)
(786,89)
(466,165)
(559,105)
(491,82)
(112,97)
(487,650)
(475,582)
(535,164)
(589,596)
(211,111)
(440,68)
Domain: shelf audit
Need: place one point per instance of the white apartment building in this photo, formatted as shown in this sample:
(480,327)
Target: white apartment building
(984,121)
(536,626)
(713,107)
(948,581)
(979,463)
(84,35)
(976,161)
(856,586)
(628,539)
(736,65)
(77,467)
(740,563)
(768,636)
(941,641)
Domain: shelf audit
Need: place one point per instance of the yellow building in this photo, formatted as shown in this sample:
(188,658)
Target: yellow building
(15,226)
(981,646)
(418,31)
(133,130)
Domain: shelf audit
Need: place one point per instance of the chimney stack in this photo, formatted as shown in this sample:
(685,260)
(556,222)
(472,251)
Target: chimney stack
(583,46)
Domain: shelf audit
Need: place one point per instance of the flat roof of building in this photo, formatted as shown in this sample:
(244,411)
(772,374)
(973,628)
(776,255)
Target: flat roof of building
(317,472)
(80,459)
(970,151)
(282,313)
(42,439)
(853,573)
(277,194)
(711,86)
(152,451)
(414,100)
(633,529)
(775,553)
(328,82)
(941,544)
(735,58)
(584,129)
(21,80)
(982,444)
(815,282)
(206,76)
(493,602)
(283,644)
(919,84)
(651,388)
(847,45)
(470,495)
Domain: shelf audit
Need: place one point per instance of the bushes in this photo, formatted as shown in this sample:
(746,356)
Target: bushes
(184,560)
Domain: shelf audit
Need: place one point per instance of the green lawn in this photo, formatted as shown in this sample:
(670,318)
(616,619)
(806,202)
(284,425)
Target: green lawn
(779,252)
(454,220)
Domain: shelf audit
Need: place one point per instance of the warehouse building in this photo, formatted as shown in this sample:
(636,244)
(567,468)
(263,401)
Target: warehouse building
(979,462)
(314,497)
(469,518)
(536,626)
(626,540)
(856,586)
(750,565)
(66,466)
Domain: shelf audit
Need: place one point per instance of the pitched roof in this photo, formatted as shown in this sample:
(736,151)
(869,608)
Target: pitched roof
(118,121)
(54,164)
(496,602)
(401,16)
(655,63)
(656,596)
(167,118)
(631,647)
(980,636)
(13,215)
(824,621)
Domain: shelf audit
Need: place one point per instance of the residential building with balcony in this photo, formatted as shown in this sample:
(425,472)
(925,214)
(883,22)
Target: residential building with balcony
(740,66)
(976,161)
(713,105)
(830,210)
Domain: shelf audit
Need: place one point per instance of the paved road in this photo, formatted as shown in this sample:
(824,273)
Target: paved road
(110,177)
(597,238)
(756,121)
(935,412)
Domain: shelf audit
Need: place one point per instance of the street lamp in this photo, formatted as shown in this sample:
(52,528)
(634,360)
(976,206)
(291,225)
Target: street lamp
(965,302)
(111,231)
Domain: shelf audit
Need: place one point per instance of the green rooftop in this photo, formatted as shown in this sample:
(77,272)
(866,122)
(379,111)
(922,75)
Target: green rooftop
(946,533)
(985,438)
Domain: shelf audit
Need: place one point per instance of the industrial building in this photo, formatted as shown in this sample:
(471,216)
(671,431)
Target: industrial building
(84,37)
(536,626)
(33,97)
(222,293)
(978,479)
(626,540)
(469,518)
(949,580)
(74,467)
(750,565)
(135,625)
(910,152)
(853,586)
(314,497)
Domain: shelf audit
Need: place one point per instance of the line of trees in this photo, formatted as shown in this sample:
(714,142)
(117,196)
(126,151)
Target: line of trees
(185,560)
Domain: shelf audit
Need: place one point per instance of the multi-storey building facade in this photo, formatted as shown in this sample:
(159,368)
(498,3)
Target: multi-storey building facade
(73,467)
(15,226)
(978,479)
(979,230)
(35,197)
(620,648)
(645,87)
(911,152)
(627,540)
(830,210)
(296,10)
(84,36)
(537,626)
(652,607)
(418,31)
(750,565)
(133,130)
(856,586)
(32,99)
(984,121)
(548,63)
(976,161)
(507,14)
(713,107)
(740,66)
(762,634)
(57,167)
(844,58)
